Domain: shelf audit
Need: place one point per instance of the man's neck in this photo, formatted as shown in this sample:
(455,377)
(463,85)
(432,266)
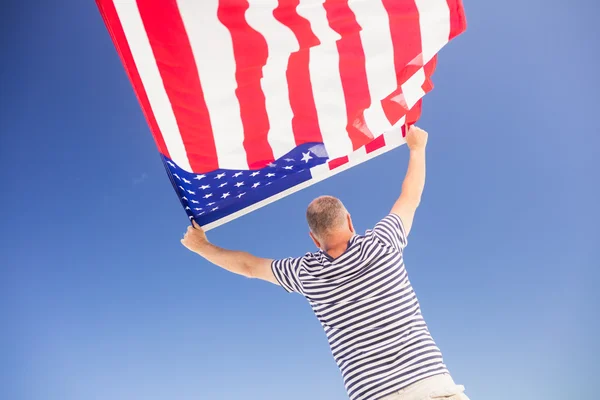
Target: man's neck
(339,246)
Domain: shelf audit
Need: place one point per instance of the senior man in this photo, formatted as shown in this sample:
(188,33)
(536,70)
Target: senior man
(358,288)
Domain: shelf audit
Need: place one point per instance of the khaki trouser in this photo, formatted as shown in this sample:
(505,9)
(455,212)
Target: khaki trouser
(440,387)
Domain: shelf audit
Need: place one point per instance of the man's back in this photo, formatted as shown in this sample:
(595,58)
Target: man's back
(369,311)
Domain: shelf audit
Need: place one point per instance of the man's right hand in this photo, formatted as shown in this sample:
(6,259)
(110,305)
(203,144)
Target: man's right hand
(194,238)
(416,138)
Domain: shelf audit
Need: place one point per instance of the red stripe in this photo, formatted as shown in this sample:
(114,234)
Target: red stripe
(415,112)
(458,21)
(177,66)
(375,144)
(405,32)
(305,122)
(113,24)
(337,162)
(429,69)
(250,51)
(352,67)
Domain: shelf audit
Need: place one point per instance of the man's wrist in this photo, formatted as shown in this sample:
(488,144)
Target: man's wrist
(202,246)
(419,151)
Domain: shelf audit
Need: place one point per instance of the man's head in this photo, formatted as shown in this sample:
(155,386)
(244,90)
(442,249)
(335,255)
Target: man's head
(329,222)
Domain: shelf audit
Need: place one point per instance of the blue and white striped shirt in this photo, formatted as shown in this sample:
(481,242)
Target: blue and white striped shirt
(369,311)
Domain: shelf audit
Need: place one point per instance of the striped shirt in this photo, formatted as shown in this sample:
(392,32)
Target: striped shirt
(369,311)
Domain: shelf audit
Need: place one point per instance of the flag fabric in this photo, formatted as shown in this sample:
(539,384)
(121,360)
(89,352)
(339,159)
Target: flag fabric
(251,100)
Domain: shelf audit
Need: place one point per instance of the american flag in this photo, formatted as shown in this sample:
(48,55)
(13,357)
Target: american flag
(251,100)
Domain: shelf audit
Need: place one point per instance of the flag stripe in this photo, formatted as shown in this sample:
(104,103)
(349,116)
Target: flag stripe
(381,75)
(406,38)
(281,42)
(352,69)
(434,22)
(144,57)
(412,88)
(250,50)
(429,69)
(113,23)
(217,76)
(337,162)
(169,41)
(326,82)
(457,18)
(305,120)
(375,144)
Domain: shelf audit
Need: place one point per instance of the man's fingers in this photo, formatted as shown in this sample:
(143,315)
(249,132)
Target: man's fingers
(195,224)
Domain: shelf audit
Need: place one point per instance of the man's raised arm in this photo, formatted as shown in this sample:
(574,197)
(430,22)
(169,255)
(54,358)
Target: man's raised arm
(238,262)
(414,181)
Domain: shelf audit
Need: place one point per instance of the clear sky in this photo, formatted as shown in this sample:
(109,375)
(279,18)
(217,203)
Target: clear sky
(99,300)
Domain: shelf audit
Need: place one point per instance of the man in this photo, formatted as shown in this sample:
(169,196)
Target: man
(359,290)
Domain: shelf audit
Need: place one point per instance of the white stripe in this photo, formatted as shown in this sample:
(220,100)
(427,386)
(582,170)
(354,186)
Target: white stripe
(379,61)
(142,53)
(326,81)
(213,52)
(281,42)
(394,136)
(412,88)
(321,172)
(434,19)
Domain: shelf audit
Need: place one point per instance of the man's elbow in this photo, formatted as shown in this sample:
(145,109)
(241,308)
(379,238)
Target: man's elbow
(249,271)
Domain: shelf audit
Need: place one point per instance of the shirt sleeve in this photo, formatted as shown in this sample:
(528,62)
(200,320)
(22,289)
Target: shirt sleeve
(390,230)
(286,271)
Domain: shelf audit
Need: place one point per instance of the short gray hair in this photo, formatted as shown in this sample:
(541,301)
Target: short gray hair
(324,214)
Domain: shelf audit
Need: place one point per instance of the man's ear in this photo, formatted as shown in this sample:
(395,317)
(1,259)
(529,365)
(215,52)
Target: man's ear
(350,225)
(313,237)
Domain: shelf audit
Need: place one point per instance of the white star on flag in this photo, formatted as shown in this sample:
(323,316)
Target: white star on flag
(306,157)
(237,174)
(255,173)
(198,177)
(239,184)
(270,175)
(288,167)
(208,195)
(219,176)
(204,187)
(257,184)
(225,195)
(186,181)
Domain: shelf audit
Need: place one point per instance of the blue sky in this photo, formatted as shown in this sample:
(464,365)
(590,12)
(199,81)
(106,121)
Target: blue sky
(101,301)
